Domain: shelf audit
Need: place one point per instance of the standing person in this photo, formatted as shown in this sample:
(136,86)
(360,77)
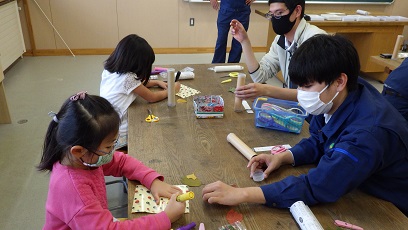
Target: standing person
(79,151)
(292,30)
(357,140)
(395,88)
(127,76)
(230,9)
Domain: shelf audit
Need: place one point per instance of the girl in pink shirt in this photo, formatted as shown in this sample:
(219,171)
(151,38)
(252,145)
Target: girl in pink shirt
(79,152)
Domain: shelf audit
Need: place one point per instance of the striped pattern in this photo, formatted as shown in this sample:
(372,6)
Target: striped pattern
(11,36)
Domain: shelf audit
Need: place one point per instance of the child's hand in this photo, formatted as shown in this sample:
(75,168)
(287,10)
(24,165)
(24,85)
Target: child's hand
(177,87)
(162,84)
(162,189)
(175,209)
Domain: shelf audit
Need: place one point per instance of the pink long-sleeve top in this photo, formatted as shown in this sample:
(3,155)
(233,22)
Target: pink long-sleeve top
(77,197)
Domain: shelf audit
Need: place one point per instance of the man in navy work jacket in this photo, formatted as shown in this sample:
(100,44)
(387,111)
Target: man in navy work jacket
(230,9)
(357,140)
(396,88)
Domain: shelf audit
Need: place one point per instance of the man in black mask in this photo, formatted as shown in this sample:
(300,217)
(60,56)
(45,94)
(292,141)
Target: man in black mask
(292,30)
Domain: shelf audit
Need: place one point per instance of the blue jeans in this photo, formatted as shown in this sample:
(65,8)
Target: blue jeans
(223,25)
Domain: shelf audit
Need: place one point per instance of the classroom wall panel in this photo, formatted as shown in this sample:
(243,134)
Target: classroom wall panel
(87,24)
(154,20)
(165,24)
(43,33)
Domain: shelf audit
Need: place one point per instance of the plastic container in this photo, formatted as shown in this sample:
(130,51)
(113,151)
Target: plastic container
(278,114)
(209,106)
(258,175)
(237,225)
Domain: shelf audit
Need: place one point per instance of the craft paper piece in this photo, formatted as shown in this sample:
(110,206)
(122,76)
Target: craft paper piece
(192,176)
(186,91)
(191,180)
(233,216)
(181,100)
(143,200)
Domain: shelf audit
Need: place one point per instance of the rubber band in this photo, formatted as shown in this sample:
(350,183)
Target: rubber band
(54,116)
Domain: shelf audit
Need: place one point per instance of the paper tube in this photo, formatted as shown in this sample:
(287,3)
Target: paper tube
(186,75)
(228,68)
(185,196)
(241,146)
(304,216)
(171,91)
(238,101)
(397,46)
(362,12)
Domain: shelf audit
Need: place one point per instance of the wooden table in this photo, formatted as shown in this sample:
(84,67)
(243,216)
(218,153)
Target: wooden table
(387,64)
(369,38)
(180,144)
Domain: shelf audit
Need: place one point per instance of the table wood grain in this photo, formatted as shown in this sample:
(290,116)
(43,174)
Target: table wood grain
(180,144)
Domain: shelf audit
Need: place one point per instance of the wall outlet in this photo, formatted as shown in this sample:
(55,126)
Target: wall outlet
(191,21)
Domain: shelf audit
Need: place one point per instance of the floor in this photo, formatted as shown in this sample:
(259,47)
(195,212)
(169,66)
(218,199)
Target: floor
(35,86)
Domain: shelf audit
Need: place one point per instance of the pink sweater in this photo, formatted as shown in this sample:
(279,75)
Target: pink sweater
(77,198)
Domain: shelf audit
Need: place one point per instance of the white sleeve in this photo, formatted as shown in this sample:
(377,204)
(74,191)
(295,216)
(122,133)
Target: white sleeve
(269,65)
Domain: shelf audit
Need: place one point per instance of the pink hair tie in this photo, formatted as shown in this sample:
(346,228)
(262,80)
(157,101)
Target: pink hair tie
(80,95)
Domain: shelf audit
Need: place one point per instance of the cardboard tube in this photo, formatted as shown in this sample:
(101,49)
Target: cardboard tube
(228,68)
(185,196)
(171,91)
(186,75)
(362,12)
(397,46)
(241,146)
(238,101)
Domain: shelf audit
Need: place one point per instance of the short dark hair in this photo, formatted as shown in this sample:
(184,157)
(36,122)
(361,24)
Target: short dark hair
(291,4)
(132,54)
(322,58)
(85,122)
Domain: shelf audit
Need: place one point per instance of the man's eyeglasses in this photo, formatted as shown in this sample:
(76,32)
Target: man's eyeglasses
(277,15)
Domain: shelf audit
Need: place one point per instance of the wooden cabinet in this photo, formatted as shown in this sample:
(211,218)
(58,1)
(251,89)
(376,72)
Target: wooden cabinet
(4,111)
(11,36)
(369,38)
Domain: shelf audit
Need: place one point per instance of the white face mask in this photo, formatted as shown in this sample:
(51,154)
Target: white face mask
(311,102)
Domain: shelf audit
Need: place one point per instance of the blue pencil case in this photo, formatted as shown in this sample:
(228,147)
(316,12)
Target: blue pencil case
(279,114)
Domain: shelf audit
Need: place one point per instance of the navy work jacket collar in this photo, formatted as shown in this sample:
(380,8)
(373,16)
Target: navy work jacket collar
(340,115)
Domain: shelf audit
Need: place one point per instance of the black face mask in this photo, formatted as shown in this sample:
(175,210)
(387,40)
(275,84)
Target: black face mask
(282,25)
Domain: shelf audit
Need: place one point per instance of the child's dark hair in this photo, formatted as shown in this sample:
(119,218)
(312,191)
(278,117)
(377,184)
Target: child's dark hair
(291,4)
(84,120)
(132,54)
(323,58)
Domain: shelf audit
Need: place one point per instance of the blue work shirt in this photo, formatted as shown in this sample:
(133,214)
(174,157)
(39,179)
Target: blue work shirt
(398,79)
(364,145)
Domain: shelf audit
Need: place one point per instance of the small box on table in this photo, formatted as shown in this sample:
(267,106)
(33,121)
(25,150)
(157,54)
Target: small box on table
(278,114)
(208,106)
